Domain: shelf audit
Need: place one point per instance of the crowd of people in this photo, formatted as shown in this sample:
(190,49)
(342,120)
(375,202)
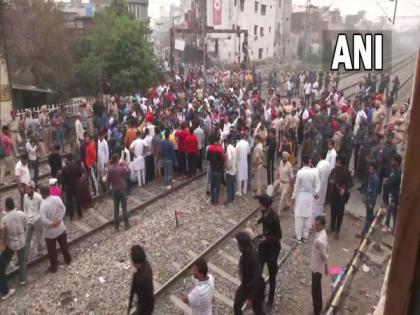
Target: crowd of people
(244,132)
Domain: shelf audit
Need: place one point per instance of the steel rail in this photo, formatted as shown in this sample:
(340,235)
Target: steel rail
(339,292)
(405,62)
(209,250)
(103,226)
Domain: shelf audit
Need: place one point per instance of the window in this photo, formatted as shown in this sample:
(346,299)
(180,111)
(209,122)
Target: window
(260,53)
(261,31)
(263,9)
(256,7)
(269,29)
(279,3)
(233,26)
(255,30)
(234,3)
(242,4)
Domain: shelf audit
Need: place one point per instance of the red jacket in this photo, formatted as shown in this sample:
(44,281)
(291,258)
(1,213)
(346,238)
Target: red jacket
(191,143)
(91,154)
(182,136)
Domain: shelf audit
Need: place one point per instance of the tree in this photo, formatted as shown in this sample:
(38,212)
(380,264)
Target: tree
(116,49)
(39,46)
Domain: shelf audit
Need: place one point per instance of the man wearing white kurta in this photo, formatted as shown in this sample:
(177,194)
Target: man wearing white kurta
(331,154)
(324,169)
(138,147)
(103,158)
(242,151)
(305,192)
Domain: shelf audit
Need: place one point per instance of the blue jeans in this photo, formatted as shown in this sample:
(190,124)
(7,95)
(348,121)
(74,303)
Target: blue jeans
(215,182)
(168,169)
(369,219)
(59,137)
(230,183)
(120,197)
(34,164)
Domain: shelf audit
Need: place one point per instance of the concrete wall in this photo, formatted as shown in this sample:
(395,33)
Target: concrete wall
(260,47)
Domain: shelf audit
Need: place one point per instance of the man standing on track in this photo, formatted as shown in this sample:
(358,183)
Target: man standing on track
(252,288)
(31,206)
(340,181)
(138,148)
(319,262)
(52,215)
(242,151)
(70,176)
(284,181)
(201,297)
(269,248)
(305,192)
(117,179)
(142,284)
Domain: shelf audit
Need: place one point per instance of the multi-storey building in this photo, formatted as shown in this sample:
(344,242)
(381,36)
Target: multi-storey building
(258,17)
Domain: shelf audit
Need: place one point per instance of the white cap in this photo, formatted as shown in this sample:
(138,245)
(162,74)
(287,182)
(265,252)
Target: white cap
(52,181)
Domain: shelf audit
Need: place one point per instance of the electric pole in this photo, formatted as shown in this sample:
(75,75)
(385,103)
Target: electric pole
(395,11)
(204,33)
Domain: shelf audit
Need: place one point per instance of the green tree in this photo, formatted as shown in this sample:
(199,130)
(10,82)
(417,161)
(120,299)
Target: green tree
(117,49)
(40,47)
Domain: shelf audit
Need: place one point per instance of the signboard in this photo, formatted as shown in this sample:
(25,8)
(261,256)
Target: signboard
(179,44)
(217,12)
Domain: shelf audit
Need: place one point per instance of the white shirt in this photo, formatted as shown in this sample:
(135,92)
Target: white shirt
(226,130)
(288,86)
(315,87)
(319,252)
(15,223)
(23,172)
(201,297)
(52,208)
(305,115)
(360,115)
(306,187)
(148,140)
(32,151)
(200,136)
(230,160)
(308,88)
(103,153)
(32,207)
(79,129)
(331,157)
(138,147)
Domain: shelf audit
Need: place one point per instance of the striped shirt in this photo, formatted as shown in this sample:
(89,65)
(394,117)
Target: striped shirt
(201,297)
(52,208)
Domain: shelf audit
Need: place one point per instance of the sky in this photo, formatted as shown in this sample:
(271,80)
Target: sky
(373,7)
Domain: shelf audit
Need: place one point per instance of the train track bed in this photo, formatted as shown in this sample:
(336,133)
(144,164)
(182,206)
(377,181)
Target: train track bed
(77,289)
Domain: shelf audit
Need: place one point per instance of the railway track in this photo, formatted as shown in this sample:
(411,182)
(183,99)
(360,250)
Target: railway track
(100,216)
(223,258)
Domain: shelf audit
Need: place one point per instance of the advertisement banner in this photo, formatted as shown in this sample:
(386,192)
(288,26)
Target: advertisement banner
(217,12)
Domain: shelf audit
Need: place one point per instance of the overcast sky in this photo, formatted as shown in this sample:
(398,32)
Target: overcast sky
(405,7)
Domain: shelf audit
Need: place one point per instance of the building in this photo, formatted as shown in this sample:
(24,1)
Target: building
(283,24)
(257,17)
(140,9)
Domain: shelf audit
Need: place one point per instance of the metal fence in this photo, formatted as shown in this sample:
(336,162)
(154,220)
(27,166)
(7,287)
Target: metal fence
(71,108)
